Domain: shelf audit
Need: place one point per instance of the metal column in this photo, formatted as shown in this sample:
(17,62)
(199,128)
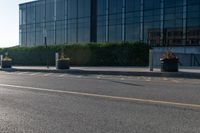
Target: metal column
(184,21)
(142,21)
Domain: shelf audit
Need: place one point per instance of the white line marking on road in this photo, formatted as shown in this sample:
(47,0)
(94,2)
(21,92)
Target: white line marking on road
(48,74)
(175,81)
(138,78)
(19,73)
(165,79)
(33,74)
(7,73)
(62,75)
(147,101)
(122,78)
(98,77)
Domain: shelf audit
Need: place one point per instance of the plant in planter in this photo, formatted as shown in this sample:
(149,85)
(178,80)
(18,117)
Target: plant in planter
(169,62)
(63,63)
(6,62)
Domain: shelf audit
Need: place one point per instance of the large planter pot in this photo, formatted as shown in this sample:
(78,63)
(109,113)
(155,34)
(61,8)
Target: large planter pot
(6,64)
(63,64)
(169,65)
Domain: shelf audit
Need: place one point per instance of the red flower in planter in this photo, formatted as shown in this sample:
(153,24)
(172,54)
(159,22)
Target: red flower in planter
(169,62)
(7,58)
(169,55)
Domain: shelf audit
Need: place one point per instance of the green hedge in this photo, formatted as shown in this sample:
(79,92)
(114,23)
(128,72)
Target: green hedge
(93,54)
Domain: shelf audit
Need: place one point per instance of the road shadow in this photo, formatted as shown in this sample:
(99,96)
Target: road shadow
(120,82)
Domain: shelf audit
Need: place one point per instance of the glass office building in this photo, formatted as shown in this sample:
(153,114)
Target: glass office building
(156,22)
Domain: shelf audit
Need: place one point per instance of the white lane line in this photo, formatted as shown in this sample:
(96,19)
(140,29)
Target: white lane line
(122,78)
(98,77)
(8,73)
(175,81)
(79,76)
(62,75)
(33,74)
(147,101)
(21,73)
(48,74)
(165,79)
(69,76)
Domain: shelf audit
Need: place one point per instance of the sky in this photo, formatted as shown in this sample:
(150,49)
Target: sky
(9,22)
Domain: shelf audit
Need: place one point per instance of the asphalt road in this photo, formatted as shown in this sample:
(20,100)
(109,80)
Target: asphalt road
(63,103)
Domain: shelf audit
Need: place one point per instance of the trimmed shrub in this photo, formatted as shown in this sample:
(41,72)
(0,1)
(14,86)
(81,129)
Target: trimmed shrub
(92,54)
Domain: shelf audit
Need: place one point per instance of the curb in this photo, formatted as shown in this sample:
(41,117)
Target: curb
(189,75)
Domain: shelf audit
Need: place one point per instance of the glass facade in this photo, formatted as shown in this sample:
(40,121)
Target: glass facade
(102,25)
(152,21)
(132,20)
(156,22)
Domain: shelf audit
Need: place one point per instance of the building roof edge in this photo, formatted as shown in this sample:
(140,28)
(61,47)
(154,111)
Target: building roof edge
(28,2)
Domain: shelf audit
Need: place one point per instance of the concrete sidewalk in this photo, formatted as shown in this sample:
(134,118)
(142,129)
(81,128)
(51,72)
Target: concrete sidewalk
(190,72)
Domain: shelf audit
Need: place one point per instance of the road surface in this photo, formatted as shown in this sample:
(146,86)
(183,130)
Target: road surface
(63,103)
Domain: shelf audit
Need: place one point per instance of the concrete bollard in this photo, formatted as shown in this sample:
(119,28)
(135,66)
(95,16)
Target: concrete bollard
(56,59)
(1,57)
(151,60)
